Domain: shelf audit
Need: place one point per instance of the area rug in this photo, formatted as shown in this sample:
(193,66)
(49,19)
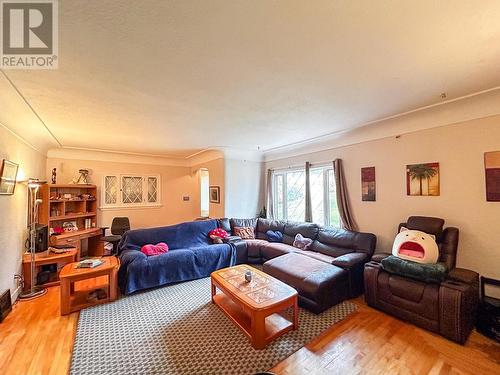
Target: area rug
(177,330)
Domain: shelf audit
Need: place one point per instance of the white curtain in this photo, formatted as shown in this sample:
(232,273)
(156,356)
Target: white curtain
(270,195)
(308,210)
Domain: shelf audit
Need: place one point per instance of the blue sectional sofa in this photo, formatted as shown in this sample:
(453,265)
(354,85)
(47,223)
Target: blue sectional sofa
(191,255)
(324,275)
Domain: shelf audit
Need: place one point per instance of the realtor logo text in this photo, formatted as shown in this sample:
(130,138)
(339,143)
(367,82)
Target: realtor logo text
(29,37)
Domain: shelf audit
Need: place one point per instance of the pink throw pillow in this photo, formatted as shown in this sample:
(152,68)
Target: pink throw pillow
(159,248)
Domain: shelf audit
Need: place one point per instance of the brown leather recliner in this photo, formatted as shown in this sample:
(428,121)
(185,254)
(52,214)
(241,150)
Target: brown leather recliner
(448,308)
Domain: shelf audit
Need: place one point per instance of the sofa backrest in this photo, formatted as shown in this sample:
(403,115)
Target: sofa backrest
(225,224)
(430,225)
(328,240)
(309,230)
(336,242)
(243,223)
(263,225)
(179,236)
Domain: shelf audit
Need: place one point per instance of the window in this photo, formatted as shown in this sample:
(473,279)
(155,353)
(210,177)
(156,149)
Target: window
(204,193)
(152,189)
(289,195)
(295,194)
(110,190)
(130,191)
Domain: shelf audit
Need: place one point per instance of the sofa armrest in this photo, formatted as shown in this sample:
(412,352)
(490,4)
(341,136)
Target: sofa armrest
(377,257)
(371,272)
(232,239)
(463,275)
(128,256)
(354,264)
(241,249)
(350,260)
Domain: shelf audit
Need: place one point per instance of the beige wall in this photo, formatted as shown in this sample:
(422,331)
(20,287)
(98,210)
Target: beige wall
(13,230)
(176,182)
(216,177)
(460,151)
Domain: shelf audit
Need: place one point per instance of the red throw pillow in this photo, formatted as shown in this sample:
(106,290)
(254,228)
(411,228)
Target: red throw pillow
(219,232)
(159,248)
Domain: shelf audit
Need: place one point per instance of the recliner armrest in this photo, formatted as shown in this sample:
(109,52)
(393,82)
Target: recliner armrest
(458,301)
(463,275)
(350,260)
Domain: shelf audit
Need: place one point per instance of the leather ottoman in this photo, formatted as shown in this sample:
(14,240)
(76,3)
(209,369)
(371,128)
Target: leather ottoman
(320,285)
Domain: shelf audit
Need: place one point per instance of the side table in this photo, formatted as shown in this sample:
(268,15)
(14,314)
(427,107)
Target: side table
(44,258)
(102,277)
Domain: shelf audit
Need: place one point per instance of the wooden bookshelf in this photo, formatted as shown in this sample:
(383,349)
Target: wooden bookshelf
(71,203)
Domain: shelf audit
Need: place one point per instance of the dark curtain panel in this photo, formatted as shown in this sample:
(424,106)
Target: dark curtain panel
(346,217)
(270,195)
(308,212)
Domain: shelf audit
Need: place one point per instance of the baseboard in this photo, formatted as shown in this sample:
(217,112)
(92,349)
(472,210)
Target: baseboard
(15,294)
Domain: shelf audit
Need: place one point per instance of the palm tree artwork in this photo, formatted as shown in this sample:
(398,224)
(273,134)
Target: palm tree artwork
(428,173)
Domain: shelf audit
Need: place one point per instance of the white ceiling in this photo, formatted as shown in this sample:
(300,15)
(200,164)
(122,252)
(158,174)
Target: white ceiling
(175,77)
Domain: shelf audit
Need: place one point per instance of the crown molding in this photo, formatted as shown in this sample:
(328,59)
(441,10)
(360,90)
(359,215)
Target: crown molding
(112,156)
(195,159)
(20,119)
(80,153)
(21,139)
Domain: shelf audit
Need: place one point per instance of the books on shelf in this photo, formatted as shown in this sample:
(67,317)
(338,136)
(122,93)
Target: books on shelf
(89,263)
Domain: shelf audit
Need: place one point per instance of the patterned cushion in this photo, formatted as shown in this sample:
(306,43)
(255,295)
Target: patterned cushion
(246,233)
(219,232)
(302,242)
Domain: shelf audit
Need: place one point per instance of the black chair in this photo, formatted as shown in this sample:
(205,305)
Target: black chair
(118,227)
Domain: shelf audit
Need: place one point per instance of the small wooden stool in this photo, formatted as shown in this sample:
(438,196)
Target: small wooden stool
(102,277)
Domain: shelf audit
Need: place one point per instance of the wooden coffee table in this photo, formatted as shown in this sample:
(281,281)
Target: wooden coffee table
(101,277)
(257,308)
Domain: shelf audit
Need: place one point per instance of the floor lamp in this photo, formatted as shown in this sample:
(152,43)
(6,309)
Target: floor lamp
(33,186)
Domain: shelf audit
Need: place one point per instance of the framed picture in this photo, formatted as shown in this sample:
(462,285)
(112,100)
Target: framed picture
(422,179)
(214,192)
(8,174)
(492,175)
(368,184)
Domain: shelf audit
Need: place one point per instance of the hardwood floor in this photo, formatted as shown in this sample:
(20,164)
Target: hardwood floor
(371,342)
(35,339)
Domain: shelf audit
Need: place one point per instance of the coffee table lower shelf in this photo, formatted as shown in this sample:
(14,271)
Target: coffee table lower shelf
(274,324)
(78,299)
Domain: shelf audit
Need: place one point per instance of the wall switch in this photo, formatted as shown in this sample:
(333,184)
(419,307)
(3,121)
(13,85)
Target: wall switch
(185,198)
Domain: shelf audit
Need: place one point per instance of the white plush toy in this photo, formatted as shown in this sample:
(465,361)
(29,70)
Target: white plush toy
(416,246)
